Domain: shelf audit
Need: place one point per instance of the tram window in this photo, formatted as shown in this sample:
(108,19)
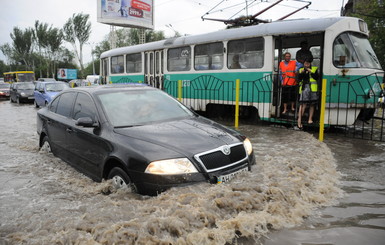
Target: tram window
(134,63)
(117,64)
(354,50)
(208,56)
(178,59)
(245,53)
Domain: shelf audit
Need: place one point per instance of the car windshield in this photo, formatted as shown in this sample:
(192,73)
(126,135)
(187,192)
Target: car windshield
(26,86)
(56,87)
(140,107)
(4,85)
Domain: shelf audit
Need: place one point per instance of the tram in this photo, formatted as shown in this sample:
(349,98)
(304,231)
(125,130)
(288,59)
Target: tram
(205,69)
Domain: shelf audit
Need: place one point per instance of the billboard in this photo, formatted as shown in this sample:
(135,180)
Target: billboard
(127,13)
(63,73)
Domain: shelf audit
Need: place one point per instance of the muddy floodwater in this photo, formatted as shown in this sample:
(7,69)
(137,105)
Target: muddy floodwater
(301,191)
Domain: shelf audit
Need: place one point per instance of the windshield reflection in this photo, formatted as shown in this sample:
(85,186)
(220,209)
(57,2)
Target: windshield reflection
(353,50)
(25,85)
(139,107)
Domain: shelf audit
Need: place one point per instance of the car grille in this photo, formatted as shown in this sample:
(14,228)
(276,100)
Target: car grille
(215,159)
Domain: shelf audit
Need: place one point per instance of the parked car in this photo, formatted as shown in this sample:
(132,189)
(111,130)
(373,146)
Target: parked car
(45,91)
(140,137)
(78,83)
(4,90)
(94,79)
(45,79)
(21,92)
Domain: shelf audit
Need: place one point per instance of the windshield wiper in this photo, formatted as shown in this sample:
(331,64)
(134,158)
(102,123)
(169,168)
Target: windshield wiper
(373,56)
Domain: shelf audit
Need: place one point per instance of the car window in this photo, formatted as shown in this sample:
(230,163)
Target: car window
(55,87)
(54,103)
(84,107)
(64,106)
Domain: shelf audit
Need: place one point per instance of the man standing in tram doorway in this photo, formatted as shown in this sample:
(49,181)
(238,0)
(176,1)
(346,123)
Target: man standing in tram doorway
(287,69)
(303,54)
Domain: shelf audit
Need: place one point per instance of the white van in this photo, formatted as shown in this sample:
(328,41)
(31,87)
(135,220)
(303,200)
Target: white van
(93,79)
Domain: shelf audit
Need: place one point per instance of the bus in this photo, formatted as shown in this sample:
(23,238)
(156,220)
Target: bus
(203,67)
(19,76)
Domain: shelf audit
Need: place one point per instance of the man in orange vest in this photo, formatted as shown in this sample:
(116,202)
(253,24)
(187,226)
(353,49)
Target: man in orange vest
(287,70)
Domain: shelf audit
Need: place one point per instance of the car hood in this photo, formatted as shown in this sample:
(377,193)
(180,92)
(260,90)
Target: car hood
(27,91)
(192,135)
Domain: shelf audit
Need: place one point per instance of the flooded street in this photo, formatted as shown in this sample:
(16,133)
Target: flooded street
(301,191)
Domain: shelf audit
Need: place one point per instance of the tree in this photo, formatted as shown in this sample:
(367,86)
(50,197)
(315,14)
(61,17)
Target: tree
(128,37)
(22,46)
(373,12)
(3,67)
(77,31)
(48,41)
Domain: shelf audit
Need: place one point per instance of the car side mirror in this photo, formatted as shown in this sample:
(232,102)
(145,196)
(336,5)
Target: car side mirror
(86,122)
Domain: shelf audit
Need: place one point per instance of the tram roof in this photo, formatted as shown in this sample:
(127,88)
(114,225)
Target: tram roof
(272,28)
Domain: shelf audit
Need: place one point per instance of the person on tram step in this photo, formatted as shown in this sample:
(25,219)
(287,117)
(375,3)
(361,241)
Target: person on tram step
(287,71)
(308,87)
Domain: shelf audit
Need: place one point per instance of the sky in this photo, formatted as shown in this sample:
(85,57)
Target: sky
(183,16)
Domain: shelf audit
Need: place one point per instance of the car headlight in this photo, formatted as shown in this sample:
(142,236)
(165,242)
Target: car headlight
(22,94)
(171,166)
(248,146)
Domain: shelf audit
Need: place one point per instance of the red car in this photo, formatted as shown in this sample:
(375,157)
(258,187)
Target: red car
(4,90)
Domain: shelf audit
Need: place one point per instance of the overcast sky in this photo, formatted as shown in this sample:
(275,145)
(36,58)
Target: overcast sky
(183,16)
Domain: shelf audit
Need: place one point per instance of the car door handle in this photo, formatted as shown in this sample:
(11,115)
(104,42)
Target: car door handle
(69,130)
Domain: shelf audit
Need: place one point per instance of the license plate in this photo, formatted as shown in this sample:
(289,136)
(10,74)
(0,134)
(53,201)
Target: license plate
(228,177)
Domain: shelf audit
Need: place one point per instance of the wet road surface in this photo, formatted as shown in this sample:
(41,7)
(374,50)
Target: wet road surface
(302,191)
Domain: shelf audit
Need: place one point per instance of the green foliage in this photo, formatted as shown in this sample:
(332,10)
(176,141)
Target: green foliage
(39,49)
(22,46)
(128,37)
(89,70)
(3,68)
(373,12)
(77,31)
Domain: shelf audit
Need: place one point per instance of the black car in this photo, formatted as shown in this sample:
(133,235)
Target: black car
(141,137)
(22,92)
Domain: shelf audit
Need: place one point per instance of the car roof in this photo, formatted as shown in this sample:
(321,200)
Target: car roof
(46,82)
(112,88)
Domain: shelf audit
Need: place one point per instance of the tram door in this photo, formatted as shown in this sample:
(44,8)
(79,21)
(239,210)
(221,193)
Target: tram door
(291,44)
(154,68)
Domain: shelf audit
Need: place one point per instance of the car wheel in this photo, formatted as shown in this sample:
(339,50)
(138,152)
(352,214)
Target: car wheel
(36,105)
(120,179)
(46,145)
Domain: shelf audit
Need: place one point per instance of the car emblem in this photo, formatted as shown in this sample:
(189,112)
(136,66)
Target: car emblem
(226,150)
